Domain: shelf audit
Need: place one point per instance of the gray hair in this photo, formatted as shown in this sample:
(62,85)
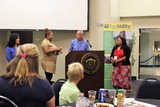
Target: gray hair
(81,31)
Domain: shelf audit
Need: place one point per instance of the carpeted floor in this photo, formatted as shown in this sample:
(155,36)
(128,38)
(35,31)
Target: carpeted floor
(135,85)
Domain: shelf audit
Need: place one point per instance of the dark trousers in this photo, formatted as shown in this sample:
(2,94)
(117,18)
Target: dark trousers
(49,76)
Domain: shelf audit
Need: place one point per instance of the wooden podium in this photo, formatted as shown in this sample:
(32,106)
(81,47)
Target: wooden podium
(93,63)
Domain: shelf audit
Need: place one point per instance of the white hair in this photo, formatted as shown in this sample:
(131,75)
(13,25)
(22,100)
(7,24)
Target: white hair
(75,70)
(81,31)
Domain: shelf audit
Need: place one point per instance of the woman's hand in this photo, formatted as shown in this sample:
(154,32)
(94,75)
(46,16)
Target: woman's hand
(59,50)
(115,61)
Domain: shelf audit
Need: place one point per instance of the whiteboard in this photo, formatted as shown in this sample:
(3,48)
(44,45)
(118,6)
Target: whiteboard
(40,14)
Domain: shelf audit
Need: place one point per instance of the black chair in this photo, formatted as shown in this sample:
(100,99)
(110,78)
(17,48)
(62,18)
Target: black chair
(57,87)
(6,102)
(149,89)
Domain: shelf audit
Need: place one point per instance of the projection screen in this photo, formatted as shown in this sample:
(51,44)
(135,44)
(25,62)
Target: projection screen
(40,14)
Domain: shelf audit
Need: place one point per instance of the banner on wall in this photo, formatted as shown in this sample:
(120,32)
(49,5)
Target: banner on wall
(111,31)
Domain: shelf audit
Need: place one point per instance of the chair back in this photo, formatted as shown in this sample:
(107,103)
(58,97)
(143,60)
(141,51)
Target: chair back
(149,89)
(6,102)
(57,87)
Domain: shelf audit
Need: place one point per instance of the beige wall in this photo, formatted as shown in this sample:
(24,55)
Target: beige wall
(139,8)
(99,12)
(4,35)
(114,10)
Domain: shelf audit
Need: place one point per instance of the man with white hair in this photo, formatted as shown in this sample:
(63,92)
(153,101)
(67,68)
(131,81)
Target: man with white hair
(79,44)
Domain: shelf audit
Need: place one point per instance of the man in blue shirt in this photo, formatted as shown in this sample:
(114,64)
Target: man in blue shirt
(79,44)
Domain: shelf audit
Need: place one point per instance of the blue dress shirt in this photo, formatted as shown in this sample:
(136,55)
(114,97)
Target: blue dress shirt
(10,53)
(79,45)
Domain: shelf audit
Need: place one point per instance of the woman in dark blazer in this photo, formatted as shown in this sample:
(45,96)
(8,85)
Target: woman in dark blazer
(121,75)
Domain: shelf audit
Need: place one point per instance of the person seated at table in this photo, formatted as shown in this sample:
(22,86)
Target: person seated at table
(22,84)
(69,92)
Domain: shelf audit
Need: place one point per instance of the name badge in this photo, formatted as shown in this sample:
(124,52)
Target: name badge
(115,57)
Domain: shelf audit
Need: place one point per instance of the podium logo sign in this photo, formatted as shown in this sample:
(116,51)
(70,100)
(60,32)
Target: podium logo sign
(91,63)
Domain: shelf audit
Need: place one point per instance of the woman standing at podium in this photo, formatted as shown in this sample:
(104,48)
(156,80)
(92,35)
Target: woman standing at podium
(121,75)
(50,52)
(79,44)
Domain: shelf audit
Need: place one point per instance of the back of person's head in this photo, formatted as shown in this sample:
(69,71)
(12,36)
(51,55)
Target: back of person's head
(24,64)
(122,33)
(47,32)
(12,39)
(75,71)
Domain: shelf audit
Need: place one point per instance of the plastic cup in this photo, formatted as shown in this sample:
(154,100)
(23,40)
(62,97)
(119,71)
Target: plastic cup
(112,95)
(92,96)
(124,93)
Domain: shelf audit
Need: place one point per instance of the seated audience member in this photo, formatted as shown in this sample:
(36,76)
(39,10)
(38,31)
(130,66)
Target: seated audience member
(69,92)
(22,84)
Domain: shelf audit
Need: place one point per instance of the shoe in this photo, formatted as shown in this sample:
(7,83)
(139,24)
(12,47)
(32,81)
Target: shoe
(129,90)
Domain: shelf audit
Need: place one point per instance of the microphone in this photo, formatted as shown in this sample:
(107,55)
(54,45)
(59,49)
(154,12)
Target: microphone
(89,44)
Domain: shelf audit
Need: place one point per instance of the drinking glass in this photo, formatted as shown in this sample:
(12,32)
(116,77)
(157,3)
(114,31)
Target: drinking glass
(92,95)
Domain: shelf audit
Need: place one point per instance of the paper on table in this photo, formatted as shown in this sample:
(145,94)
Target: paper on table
(132,102)
(126,100)
(144,104)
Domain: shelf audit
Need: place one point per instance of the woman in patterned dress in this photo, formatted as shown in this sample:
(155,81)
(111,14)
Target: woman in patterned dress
(121,75)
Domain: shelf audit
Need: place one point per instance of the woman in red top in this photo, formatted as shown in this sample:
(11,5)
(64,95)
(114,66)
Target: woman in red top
(121,75)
